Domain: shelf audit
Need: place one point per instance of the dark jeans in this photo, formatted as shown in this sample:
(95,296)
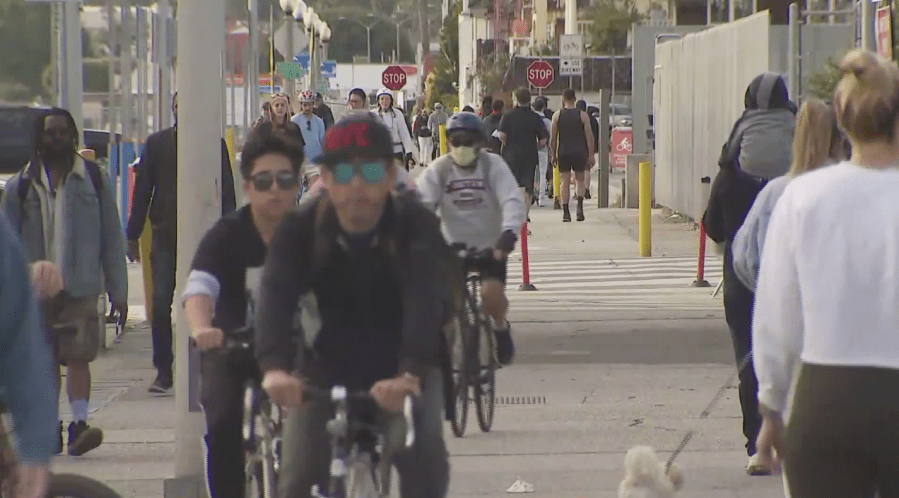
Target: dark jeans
(738,303)
(223,379)
(842,440)
(423,468)
(163,257)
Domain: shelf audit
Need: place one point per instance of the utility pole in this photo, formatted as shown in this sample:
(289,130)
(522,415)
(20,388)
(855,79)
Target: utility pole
(201,28)
(70,59)
(867,24)
(253,61)
(290,87)
(165,54)
(127,71)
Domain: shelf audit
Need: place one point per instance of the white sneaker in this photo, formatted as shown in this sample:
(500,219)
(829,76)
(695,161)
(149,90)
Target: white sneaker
(520,486)
(755,467)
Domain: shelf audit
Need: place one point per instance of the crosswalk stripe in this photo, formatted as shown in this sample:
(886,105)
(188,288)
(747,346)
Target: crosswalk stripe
(604,284)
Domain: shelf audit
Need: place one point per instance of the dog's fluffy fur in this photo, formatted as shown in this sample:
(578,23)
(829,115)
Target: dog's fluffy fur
(645,476)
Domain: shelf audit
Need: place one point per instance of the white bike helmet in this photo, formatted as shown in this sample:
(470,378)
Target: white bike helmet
(387,92)
(307,96)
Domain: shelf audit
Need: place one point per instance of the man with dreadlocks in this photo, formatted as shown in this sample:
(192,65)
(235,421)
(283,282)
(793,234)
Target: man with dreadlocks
(64,209)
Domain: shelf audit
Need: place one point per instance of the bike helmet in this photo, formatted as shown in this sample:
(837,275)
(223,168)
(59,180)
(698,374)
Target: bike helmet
(307,96)
(465,122)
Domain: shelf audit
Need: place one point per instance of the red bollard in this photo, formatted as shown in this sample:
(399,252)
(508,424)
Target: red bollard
(700,264)
(526,284)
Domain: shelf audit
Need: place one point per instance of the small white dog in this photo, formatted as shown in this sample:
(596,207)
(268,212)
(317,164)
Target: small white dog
(645,476)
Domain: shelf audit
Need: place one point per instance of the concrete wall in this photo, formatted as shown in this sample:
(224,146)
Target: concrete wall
(644,59)
(700,82)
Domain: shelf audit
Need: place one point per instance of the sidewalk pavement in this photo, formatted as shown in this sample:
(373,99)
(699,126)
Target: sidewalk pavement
(584,389)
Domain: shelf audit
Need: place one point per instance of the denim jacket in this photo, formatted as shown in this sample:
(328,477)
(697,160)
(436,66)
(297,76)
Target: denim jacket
(94,245)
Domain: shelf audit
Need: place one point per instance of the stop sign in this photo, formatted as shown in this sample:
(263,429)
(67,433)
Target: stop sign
(540,74)
(393,78)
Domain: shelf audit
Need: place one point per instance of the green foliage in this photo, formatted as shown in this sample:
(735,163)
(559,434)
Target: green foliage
(822,84)
(24,44)
(491,73)
(612,20)
(442,82)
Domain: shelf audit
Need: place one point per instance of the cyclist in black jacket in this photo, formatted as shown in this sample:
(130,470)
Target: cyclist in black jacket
(366,263)
(223,280)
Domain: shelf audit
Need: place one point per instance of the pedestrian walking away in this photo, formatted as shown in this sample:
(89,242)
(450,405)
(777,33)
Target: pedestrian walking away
(404,151)
(221,292)
(572,146)
(323,111)
(491,124)
(64,209)
(522,131)
(592,112)
(544,176)
(832,332)
(156,194)
(758,150)
(423,134)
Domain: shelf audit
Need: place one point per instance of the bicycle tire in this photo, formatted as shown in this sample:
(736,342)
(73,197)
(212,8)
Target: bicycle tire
(362,480)
(485,387)
(459,421)
(78,486)
(254,485)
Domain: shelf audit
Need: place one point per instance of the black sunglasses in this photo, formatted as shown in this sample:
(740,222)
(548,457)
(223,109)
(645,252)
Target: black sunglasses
(264,180)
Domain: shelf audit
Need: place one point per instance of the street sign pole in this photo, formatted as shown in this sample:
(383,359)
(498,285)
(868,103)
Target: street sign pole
(201,27)
(289,84)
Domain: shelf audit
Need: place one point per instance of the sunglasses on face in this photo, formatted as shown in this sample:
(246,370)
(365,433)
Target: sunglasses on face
(264,180)
(371,172)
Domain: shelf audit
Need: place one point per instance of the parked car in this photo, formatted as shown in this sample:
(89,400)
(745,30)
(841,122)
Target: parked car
(15,137)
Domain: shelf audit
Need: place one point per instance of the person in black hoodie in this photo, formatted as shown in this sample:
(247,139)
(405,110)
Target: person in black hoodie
(733,193)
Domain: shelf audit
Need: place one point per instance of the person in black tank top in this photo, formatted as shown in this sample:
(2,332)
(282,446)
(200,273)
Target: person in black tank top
(572,146)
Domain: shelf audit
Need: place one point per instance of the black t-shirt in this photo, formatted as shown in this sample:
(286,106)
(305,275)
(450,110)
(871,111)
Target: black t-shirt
(232,252)
(523,128)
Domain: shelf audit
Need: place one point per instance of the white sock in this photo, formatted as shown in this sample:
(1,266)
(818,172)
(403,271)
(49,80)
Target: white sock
(79,410)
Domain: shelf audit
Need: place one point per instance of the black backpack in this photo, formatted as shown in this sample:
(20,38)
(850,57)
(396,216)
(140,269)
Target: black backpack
(27,177)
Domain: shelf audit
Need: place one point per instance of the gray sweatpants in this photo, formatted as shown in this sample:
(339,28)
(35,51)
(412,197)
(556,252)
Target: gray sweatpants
(423,469)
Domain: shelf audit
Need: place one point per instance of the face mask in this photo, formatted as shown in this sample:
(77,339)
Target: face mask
(464,156)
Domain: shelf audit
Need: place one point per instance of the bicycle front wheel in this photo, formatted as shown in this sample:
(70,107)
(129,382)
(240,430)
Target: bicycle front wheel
(460,377)
(76,486)
(485,386)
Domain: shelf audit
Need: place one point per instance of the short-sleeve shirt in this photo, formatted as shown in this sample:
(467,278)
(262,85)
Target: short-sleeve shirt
(523,128)
(233,253)
(313,130)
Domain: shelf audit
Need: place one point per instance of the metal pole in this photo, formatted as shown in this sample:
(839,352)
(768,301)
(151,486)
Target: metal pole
(141,40)
(166,54)
(645,217)
(71,57)
(112,111)
(55,49)
(793,55)
(867,24)
(201,26)
(253,59)
(315,67)
(397,55)
(368,42)
(289,83)
(603,163)
(127,71)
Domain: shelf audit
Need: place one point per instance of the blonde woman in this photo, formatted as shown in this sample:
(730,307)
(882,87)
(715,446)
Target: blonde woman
(817,142)
(827,293)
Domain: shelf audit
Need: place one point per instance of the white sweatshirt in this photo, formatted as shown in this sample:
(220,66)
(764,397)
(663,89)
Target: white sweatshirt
(396,123)
(828,285)
(476,205)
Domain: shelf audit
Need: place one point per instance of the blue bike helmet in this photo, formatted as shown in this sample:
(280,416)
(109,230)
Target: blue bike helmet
(465,122)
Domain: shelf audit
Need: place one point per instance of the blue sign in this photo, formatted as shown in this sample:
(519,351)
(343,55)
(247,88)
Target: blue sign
(303,60)
(268,89)
(329,69)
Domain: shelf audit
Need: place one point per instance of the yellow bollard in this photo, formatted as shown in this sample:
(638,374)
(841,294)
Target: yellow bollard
(442,139)
(645,220)
(229,142)
(557,182)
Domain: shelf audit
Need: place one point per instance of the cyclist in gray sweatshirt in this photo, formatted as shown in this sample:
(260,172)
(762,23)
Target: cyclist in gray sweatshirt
(481,206)
(26,381)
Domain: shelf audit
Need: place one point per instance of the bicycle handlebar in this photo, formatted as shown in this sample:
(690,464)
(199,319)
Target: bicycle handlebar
(339,395)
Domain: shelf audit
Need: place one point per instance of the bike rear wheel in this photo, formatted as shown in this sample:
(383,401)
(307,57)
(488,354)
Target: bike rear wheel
(460,377)
(76,486)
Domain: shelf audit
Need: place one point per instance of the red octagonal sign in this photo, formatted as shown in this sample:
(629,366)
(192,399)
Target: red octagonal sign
(540,74)
(393,78)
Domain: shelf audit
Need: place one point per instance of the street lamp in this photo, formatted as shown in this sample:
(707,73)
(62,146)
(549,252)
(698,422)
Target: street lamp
(367,29)
(397,24)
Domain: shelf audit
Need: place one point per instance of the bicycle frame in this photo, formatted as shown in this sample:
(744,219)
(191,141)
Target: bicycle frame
(262,437)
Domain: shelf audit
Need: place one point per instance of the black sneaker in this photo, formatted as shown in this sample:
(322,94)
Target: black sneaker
(505,348)
(587,194)
(163,384)
(83,438)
